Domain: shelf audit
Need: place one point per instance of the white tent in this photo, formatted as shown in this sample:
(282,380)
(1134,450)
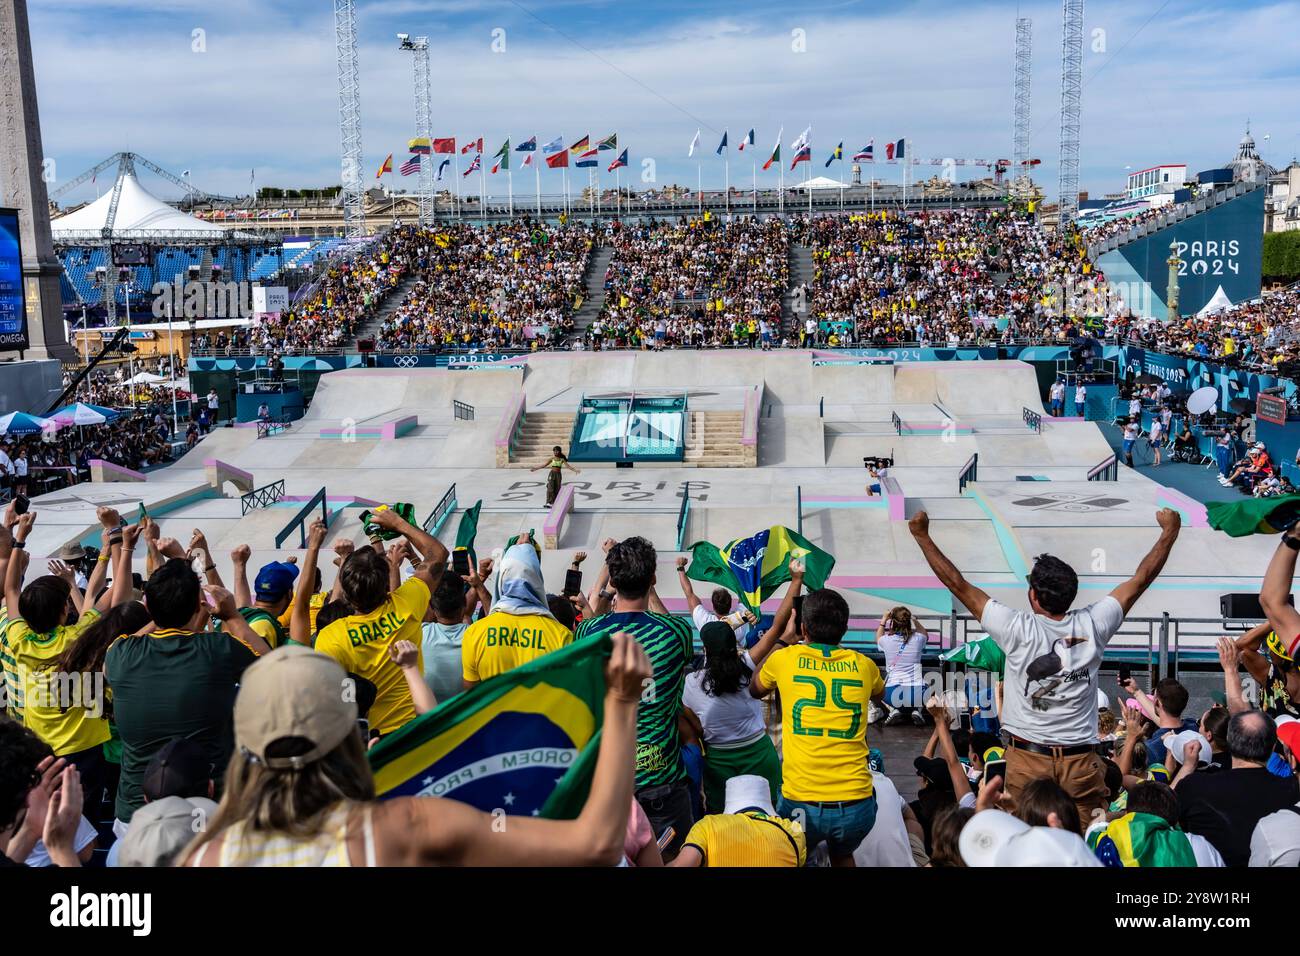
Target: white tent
(822,182)
(1218,303)
(141,216)
(146,378)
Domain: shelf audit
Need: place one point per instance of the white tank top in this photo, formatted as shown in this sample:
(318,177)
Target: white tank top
(241,846)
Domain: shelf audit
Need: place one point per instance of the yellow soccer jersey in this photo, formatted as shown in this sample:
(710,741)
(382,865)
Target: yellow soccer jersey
(64,710)
(360,644)
(501,642)
(748,839)
(824,694)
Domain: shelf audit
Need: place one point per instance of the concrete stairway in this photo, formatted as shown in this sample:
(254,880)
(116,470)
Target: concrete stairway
(713,440)
(391,304)
(593,299)
(801,274)
(540,432)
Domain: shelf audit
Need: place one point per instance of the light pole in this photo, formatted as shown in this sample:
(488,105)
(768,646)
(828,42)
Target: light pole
(419,47)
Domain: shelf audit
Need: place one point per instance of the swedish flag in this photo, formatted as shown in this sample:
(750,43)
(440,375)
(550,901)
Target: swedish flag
(756,566)
(524,742)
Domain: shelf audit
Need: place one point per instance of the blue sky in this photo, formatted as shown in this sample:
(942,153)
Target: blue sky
(1167,82)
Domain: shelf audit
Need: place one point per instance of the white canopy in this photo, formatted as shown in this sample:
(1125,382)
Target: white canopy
(141,216)
(822,182)
(1218,302)
(146,378)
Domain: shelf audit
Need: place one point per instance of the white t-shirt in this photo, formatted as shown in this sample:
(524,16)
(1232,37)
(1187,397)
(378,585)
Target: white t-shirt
(1276,840)
(1050,688)
(1080,394)
(1058,392)
(1131,431)
(887,843)
(1156,429)
(86,835)
(902,660)
(703,615)
(729,719)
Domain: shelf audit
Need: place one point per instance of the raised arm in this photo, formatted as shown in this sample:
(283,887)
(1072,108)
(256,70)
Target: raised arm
(765,644)
(199,548)
(300,613)
(1150,567)
(478,587)
(1229,655)
(598,603)
(17,563)
(972,597)
(692,602)
(233,623)
(947,749)
(239,572)
(120,593)
(1283,618)
(407,658)
(431,550)
(1248,646)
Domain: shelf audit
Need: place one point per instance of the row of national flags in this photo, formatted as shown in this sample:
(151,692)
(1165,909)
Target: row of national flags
(583,153)
(801,149)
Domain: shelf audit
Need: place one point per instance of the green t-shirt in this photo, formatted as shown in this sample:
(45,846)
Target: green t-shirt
(667,642)
(168,684)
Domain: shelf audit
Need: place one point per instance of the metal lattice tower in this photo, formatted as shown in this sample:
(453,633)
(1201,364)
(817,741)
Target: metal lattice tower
(345,38)
(423,121)
(1071,96)
(1023,77)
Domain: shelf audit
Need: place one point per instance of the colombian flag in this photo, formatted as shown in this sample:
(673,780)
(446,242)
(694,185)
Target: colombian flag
(756,566)
(1142,839)
(524,741)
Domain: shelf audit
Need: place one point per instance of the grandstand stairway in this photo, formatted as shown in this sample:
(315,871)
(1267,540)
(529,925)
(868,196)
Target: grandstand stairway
(540,432)
(713,440)
(391,304)
(801,273)
(593,299)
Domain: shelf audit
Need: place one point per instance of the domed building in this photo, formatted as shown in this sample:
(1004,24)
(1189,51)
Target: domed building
(1247,166)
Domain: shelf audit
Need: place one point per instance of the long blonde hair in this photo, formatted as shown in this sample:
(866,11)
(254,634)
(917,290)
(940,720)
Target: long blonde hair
(294,802)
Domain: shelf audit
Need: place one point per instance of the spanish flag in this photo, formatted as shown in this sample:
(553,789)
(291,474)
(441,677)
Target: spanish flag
(524,742)
(387,167)
(756,566)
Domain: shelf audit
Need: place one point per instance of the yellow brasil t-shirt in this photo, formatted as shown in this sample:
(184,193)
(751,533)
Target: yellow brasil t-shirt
(500,642)
(748,839)
(360,644)
(824,695)
(64,710)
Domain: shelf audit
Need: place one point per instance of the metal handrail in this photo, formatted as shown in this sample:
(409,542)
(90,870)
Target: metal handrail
(898,423)
(273,426)
(445,506)
(261,497)
(1032,419)
(969,472)
(682,514)
(462,410)
(300,519)
(1107,470)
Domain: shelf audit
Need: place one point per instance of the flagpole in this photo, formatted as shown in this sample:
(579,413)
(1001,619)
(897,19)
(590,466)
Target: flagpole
(841,180)
(754,173)
(455,168)
(482,190)
(618,190)
(699,187)
(510,185)
(537,174)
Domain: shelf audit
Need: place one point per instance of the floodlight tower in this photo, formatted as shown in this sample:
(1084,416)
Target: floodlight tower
(345,41)
(1023,76)
(1071,96)
(419,47)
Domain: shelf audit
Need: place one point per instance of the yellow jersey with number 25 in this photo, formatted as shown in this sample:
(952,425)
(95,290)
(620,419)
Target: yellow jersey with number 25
(824,691)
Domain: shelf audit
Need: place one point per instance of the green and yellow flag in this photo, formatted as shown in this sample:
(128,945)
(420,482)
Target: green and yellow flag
(1142,839)
(467,531)
(756,566)
(524,742)
(1253,515)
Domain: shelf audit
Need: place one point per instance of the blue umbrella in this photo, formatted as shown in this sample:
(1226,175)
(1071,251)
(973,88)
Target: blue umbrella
(20,423)
(80,413)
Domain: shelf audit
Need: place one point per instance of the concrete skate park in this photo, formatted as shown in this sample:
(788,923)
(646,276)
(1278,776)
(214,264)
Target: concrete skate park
(766,438)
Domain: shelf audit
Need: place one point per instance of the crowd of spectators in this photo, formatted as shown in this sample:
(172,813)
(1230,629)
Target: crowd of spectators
(226,710)
(508,286)
(693,283)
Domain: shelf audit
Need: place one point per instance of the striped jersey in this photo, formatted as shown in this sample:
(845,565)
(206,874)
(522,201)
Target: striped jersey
(667,642)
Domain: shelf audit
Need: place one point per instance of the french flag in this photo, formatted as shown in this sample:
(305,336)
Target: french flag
(894,151)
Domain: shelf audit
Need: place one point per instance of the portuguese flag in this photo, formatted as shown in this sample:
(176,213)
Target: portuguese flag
(525,741)
(1253,515)
(756,566)
(775,157)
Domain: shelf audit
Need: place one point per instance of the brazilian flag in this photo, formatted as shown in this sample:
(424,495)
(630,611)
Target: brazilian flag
(1253,515)
(467,531)
(982,654)
(756,566)
(524,742)
(404,510)
(1142,839)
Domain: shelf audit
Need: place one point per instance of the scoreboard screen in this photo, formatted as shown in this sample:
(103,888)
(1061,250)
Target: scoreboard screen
(13,306)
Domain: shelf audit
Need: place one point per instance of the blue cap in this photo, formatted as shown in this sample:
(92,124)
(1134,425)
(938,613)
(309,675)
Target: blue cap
(275,580)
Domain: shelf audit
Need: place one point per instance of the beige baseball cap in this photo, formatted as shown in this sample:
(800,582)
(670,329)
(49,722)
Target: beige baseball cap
(294,692)
(162,829)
